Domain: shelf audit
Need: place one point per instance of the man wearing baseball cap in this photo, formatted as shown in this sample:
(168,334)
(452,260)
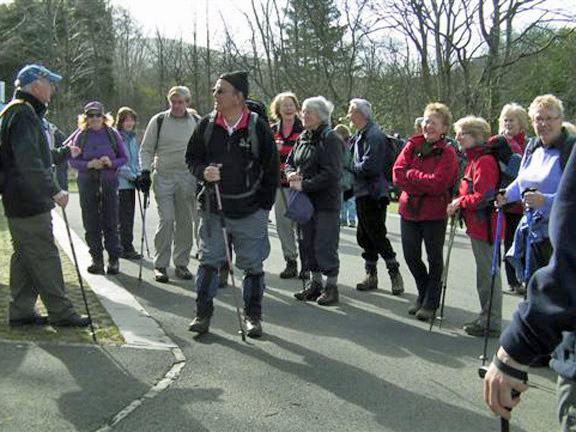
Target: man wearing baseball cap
(29,194)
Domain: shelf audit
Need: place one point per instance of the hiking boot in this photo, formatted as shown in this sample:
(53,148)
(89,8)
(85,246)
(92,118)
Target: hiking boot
(329,296)
(521,289)
(200,325)
(414,308)
(291,270)
(370,282)
(253,327)
(512,288)
(131,255)
(113,266)
(397,283)
(312,291)
(182,272)
(97,266)
(161,275)
(425,314)
(304,274)
(352,224)
(477,330)
(73,320)
(223,277)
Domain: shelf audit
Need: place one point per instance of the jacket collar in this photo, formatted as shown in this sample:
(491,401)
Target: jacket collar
(38,106)
(243,121)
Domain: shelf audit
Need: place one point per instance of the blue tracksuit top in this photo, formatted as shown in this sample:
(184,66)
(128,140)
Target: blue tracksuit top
(547,321)
(540,170)
(132,168)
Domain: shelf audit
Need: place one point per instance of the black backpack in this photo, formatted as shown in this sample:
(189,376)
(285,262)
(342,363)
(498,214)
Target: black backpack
(565,148)
(397,146)
(508,161)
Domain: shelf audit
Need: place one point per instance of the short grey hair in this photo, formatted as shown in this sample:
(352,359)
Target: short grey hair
(321,105)
(181,91)
(363,107)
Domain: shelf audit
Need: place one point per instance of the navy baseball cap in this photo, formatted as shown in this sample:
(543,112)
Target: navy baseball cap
(30,73)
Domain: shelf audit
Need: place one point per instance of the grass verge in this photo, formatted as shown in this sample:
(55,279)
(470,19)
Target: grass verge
(106,331)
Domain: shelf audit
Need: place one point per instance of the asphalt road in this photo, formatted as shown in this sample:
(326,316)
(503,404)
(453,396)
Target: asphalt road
(365,365)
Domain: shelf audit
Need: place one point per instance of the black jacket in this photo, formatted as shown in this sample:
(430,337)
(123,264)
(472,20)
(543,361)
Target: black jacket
(318,157)
(27,160)
(235,159)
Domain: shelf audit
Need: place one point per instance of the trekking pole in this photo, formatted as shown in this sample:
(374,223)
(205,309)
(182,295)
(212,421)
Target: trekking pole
(146,205)
(504,424)
(229,259)
(143,237)
(79,275)
(493,272)
(530,222)
(453,223)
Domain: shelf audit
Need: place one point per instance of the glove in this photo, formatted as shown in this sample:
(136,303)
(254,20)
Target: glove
(143,182)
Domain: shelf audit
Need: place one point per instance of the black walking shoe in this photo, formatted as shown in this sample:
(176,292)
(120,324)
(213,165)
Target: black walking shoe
(253,327)
(397,283)
(182,272)
(161,275)
(370,281)
(312,291)
(73,320)
(415,307)
(97,266)
(113,266)
(131,255)
(38,320)
(291,270)
(200,325)
(480,331)
(329,296)
(425,314)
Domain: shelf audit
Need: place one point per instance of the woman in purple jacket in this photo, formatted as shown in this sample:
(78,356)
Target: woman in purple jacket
(103,152)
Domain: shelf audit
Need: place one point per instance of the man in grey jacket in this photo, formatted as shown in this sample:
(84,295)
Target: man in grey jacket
(163,152)
(372,159)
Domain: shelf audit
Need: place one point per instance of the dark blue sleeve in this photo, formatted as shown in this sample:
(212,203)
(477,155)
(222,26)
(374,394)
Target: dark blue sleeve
(537,325)
(371,162)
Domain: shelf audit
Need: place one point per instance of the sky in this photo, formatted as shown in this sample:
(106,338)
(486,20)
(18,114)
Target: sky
(175,18)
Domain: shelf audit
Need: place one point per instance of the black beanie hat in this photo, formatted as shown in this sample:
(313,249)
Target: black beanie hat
(239,80)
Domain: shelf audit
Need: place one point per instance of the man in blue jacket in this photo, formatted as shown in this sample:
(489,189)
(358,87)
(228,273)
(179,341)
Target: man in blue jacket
(372,159)
(546,323)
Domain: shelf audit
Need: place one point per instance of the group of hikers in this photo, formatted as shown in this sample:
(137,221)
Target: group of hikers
(215,179)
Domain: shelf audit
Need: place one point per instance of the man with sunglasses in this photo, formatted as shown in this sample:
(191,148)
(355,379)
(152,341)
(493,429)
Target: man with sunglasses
(29,193)
(233,150)
(162,158)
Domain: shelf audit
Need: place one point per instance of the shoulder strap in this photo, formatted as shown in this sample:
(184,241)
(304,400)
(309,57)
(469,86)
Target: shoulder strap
(15,102)
(82,140)
(209,128)
(252,136)
(159,121)
(112,139)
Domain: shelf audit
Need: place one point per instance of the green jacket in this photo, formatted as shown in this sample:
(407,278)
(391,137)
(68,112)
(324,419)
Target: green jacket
(27,160)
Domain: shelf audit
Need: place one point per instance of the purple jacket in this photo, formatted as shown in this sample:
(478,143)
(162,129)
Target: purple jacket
(98,145)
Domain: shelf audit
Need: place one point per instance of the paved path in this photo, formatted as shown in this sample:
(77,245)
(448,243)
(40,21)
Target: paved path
(362,366)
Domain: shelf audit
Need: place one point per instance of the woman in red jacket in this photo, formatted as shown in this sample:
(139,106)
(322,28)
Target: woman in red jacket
(476,193)
(513,124)
(425,171)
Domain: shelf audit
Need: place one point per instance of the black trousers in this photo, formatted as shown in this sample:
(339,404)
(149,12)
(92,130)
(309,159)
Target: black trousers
(371,233)
(428,280)
(512,221)
(99,202)
(127,203)
(319,245)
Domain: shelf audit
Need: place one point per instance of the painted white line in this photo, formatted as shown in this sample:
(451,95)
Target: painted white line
(138,328)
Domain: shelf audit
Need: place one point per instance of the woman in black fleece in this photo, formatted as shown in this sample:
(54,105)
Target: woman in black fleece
(314,167)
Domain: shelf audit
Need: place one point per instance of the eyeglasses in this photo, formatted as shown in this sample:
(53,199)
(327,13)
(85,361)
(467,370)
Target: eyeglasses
(548,119)
(220,91)
(93,115)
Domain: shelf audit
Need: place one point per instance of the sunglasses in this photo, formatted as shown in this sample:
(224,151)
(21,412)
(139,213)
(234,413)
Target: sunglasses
(94,115)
